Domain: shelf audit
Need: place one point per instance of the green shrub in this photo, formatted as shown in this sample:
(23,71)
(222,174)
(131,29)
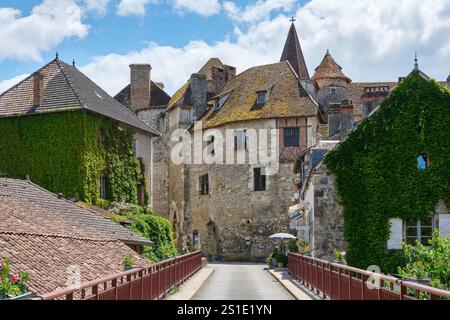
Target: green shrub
(429,262)
(158,230)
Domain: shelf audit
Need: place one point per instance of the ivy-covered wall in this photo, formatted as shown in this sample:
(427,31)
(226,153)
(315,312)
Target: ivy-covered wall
(67,152)
(376,171)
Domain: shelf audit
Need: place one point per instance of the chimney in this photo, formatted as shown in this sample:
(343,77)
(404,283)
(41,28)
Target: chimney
(218,79)
(139,87)
(230,72)
(38,89)
(346,117)
(334,119)
(448,82)
(199,90)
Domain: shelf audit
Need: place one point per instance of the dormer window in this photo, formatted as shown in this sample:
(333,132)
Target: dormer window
(261,97)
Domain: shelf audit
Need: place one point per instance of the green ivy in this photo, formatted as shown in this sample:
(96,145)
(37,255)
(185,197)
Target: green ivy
(67,152)
(376,168)
(154,228)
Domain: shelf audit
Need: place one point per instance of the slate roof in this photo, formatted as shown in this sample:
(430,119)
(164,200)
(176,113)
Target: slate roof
(328,68)
(292,52)
(94,223)
(39,235)
(286,97)
(158,97)
(66,88)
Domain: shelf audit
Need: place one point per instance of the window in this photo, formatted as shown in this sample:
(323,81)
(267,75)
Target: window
(259,179)
(135,148)
(240,140)
(419,230)
(333,91)
(261,98)
(103,187)
(422,162)
(185,116)
(291,137)
(210,146)
(204,184)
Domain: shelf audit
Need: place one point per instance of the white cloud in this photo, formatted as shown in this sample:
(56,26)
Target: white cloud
(132,7)
(201,7)
(6,84)
(259,10)
(97,6)
(372,41)
(48,24)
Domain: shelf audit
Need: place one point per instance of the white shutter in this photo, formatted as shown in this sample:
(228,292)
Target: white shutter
(444,225)
(396,235)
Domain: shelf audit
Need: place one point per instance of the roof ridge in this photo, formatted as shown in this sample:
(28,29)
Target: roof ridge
(26,78)
(48,235)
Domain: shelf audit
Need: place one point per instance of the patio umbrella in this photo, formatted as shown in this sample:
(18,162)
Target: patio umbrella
(282,236)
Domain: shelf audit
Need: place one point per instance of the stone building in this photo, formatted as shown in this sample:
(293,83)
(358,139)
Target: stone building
(318,217)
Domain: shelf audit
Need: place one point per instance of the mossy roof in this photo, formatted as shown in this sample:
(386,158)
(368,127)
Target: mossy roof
(328,68)
(286,96)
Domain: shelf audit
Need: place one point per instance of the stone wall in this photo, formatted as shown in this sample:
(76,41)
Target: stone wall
(328,219)
(233,221)
(158,184)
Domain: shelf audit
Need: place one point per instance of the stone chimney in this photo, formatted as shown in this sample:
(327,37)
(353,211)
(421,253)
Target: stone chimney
(334,119)
(38,89)
(218,79)
(199,88)
(139,87)
(346,117)
(230,72)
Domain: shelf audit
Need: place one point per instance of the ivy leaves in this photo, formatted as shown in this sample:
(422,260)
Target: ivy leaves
(376,167)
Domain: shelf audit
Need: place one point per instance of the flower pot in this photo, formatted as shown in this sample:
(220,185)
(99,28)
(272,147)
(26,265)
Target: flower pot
(280,265)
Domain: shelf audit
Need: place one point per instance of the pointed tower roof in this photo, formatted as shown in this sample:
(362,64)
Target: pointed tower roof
(292,52)
(328,68)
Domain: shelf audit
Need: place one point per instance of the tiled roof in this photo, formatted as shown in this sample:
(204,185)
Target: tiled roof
(65,88)
(286,97)
(328,68)
(39,235)
(158,97)
(292,52)
(96,224)
(356,90)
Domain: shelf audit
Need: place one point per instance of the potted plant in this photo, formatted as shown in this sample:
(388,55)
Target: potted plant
(12,286)
(281,260)
(128,262)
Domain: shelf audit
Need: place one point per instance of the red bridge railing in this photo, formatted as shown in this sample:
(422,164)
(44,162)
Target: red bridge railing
(151,283)
(340,282)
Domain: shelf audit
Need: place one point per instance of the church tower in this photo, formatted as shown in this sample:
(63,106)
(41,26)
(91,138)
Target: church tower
(293,53)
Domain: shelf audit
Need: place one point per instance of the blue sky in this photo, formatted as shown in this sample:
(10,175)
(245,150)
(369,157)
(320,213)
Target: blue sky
(372,40)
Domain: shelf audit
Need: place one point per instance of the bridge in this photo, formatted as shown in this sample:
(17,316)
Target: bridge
(246,281)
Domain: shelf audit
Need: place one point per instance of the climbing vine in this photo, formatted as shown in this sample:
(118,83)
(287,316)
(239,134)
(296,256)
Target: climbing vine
(376,171)
(67,152)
